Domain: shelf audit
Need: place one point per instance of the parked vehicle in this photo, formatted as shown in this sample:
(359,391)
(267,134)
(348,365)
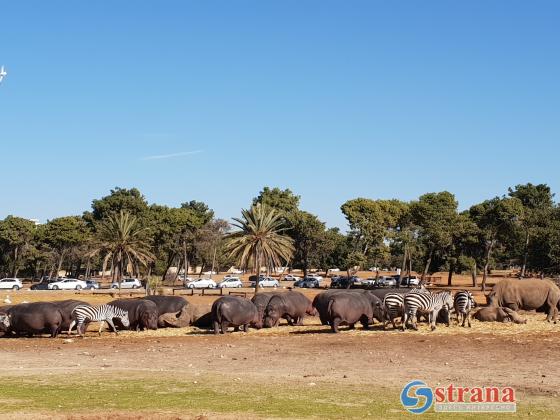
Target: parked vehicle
(290,277)
(235,271)
(410,281)
(343,282)
(308,283)
(228,282)
(43,284)
(315,276)
(92,284)
(209,273)
(127,284)
(67,284)
(266,282)
(386,281)
(201,284)
(11,283)
(370,282)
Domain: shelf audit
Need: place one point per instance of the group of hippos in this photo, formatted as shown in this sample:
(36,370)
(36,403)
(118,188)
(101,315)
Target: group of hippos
(334,308)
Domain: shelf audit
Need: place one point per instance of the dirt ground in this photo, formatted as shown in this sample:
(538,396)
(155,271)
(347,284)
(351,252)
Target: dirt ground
(521,356)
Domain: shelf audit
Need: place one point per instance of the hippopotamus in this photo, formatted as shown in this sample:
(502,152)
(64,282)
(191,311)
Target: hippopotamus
(261,300)
(292,306)
(66,307)
(320,302)
(233,311)
(530,294)
(350,308)
(142,313)
(32,318)
(168,305)
(498,314)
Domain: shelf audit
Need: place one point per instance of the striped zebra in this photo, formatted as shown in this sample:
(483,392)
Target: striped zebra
(393,304)
(463,304)
(425,303)
(83,314)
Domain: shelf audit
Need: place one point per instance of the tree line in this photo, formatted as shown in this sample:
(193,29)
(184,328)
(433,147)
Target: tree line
(124,234)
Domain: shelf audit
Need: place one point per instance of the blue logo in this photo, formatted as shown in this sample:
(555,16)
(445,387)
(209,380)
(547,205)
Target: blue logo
(417,397)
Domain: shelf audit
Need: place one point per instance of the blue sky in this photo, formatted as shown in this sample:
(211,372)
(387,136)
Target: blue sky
(334,100)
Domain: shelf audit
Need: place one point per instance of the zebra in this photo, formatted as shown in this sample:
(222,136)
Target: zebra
(425,303)
(393,304)
(85,313)
(463,304)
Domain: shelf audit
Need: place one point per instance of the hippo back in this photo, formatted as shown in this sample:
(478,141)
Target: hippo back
(168,304)
(66,307)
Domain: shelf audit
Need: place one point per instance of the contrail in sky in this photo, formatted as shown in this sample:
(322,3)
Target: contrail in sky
(172,155)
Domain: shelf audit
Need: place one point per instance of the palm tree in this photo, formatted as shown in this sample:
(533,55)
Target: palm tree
(260,240)
(123,242)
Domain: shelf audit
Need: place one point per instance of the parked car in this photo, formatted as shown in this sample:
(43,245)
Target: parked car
(386,281)
(235,271)
(266,282)
(43,284)
(410,281)
(230,282)
(290,277)
(11,283)
(370,282)
(343,282)
(231,276)
(127,284)
(92,284)
(67,284)
(308,283)
(201,284)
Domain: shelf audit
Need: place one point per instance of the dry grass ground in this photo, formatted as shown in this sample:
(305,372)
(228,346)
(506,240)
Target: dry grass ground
(286,372)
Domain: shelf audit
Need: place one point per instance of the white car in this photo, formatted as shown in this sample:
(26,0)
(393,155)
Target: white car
(127,284)
(314,276)
(201,284)
(266,282)
(235,271)
(230,282)
(291,277)
(68,284)
(14,284)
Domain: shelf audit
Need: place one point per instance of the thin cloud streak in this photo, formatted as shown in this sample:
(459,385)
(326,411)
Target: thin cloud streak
(172,155)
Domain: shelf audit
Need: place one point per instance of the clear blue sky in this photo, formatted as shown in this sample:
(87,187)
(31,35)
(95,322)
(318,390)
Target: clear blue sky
(332,99)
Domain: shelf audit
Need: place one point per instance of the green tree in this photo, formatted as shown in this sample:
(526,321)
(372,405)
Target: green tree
(16,235)
(374,224)
(463,252)
(283,201)
(124,242)
(435,216)
(497,220)
(120,199)
(260,239)
(209,244)
(63,234)
(309,236)
(537,201)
